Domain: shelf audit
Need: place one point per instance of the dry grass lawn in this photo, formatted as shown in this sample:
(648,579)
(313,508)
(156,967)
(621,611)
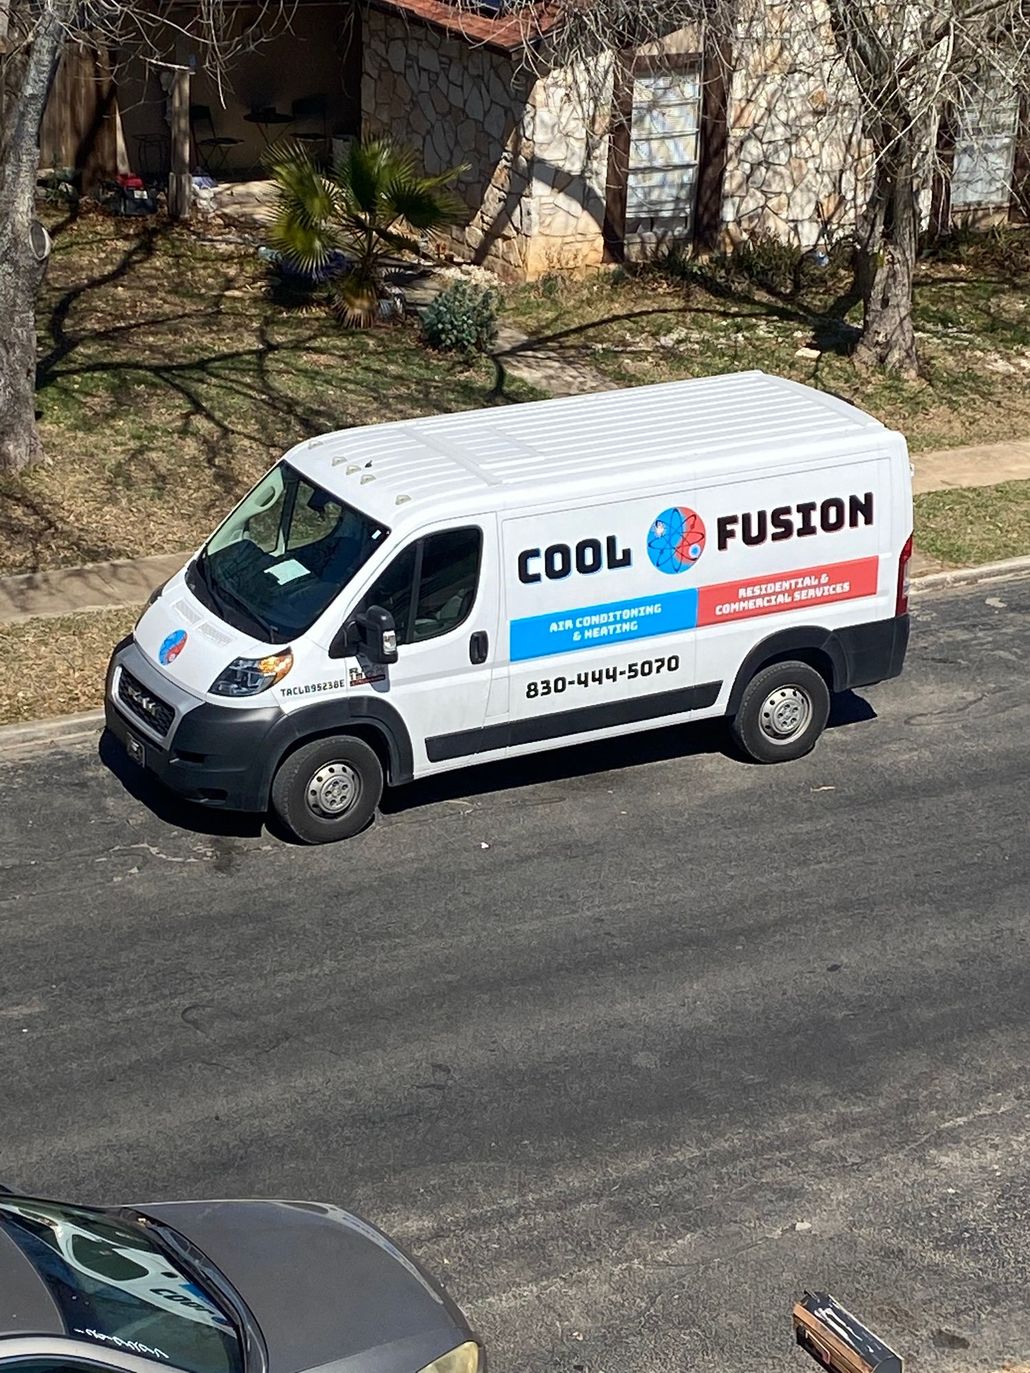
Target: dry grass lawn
(972,311)
(170,379)
(982,524)
(57,667)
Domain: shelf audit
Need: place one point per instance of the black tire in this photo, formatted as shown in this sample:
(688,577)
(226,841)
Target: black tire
(782,713)
(340,771)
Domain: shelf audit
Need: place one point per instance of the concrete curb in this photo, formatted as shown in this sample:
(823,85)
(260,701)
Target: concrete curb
(33,734)
(960,575)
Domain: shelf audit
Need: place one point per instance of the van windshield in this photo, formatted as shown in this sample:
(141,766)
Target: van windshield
(282,556)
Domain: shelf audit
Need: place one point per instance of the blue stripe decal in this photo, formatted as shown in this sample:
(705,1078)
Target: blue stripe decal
(594,626)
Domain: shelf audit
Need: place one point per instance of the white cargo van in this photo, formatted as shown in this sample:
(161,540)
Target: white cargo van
(394,601)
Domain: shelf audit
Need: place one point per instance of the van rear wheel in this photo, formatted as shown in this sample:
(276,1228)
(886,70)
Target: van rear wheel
(328,789)
(782,713)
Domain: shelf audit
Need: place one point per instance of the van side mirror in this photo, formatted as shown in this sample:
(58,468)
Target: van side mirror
(372,633)
(380,635)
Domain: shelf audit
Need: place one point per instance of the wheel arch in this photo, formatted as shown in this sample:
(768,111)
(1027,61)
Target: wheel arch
(817,647)
(375,722)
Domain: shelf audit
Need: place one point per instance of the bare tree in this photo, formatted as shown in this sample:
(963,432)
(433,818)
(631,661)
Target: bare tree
(904,69)
(34,34)
(915,65)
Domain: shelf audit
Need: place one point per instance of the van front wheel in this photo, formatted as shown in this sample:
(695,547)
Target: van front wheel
(328,789)
(782,713)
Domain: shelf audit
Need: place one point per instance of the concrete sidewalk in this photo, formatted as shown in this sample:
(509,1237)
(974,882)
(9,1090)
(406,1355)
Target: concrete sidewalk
(986,464)
(98,586)
(111,586)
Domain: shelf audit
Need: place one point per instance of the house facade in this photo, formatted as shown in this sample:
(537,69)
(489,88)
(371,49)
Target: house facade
(563,167)
(571,169)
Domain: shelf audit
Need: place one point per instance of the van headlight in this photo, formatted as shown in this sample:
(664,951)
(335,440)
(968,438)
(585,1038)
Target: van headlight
(464,1359)
(248,676)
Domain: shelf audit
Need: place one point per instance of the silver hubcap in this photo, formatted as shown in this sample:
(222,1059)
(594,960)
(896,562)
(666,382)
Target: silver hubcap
(333,790)
(785,713)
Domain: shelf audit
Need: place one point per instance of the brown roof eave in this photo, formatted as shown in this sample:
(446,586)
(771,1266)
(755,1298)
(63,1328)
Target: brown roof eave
(502,35)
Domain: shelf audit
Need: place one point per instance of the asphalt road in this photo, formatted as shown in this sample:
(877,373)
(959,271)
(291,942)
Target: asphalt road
(631,1045)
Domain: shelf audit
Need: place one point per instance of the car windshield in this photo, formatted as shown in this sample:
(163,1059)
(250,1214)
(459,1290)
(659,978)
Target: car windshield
(115,1287)
(283,556)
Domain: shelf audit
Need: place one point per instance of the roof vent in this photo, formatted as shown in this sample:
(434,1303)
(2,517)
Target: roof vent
(370,477)
(402,500)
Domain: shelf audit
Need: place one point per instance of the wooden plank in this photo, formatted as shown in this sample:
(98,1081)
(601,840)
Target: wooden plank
(78,129)
(715,84)
(180,182)
(617,182)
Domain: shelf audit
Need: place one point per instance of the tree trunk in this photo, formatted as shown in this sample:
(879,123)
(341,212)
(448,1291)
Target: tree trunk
(26,82)
(885,270)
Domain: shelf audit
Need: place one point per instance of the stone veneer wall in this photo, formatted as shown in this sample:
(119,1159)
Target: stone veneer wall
(453,102)
(795,160)
(537,152)
(569,173)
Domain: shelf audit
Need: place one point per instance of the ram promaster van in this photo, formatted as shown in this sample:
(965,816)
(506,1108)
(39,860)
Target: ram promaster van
(398,600)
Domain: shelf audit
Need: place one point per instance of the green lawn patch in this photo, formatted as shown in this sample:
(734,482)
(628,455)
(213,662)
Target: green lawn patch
(982,524)
(972,315)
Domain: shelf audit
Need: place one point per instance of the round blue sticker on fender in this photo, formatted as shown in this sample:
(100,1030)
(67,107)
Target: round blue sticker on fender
(172,647)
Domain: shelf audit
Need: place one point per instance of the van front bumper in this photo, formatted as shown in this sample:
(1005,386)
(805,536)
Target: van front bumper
(212,755)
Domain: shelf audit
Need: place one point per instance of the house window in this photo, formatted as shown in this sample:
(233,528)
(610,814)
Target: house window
(663,154)
(985,149)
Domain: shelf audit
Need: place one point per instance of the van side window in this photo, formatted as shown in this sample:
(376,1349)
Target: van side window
(430,588)
(447,583)
(392,590)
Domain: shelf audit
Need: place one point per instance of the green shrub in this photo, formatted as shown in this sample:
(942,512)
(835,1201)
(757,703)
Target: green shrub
(675,263)
(462,319)
(762,259)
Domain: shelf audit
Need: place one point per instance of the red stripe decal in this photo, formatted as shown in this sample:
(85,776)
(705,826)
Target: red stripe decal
(782,591)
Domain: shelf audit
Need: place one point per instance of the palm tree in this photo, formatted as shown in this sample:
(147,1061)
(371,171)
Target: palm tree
(368,208)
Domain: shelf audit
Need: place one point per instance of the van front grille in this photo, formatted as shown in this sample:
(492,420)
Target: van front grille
(143,704)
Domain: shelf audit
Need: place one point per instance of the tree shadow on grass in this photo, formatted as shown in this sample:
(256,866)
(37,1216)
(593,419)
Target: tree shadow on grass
(27,521)
(140,249)
(829,331)
(159,369)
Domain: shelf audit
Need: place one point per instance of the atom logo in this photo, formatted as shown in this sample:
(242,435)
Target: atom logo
(676,539)
(172,647)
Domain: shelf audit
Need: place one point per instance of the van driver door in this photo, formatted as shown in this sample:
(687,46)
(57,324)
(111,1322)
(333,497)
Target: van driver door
(442,591)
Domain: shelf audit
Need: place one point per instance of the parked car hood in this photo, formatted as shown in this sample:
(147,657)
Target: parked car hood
(322,1284)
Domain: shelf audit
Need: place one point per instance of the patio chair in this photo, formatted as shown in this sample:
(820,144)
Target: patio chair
(312,109)
(153,156)
(212,148)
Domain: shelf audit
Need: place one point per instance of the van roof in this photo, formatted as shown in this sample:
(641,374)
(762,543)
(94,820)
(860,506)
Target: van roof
(603,443)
